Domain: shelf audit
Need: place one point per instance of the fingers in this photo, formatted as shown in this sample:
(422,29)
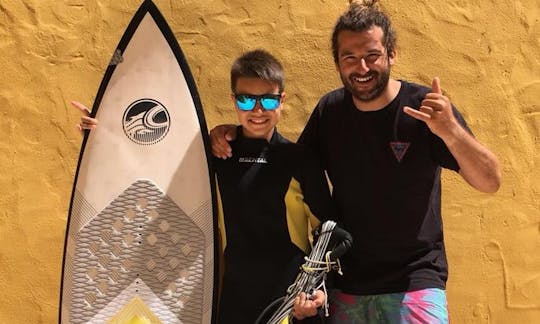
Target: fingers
(436,85)
(229,136)
(319,298)
(299,301)
(422,114)
(87,123)
(433,105)
(219,139)
(303,307)
(436,101)
(306,307)
(220,147)
(81,107)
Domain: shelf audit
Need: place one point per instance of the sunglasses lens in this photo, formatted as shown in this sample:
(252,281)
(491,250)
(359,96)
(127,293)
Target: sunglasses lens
(270,103)
(245,103)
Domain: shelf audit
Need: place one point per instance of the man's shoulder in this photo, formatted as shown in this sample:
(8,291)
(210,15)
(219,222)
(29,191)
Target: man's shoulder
(336,96)
(292,150)
(414,90)
(332,101)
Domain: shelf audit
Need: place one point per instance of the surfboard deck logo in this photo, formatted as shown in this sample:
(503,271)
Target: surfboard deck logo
(146,121)
(141,236)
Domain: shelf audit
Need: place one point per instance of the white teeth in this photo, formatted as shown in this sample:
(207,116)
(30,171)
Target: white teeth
(363,79)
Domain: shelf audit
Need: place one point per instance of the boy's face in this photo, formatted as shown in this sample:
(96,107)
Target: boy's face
(258,122)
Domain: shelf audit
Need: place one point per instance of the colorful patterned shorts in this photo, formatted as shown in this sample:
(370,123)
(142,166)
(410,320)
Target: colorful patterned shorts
(422,306)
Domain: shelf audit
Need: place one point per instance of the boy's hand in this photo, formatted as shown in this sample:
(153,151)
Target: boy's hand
(306,307)
(220,136)
(86,121)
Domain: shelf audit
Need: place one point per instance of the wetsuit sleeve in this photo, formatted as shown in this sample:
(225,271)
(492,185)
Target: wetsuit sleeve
(221,237)
(441,153)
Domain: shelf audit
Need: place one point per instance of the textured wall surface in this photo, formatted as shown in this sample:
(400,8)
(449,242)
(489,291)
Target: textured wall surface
(486,53)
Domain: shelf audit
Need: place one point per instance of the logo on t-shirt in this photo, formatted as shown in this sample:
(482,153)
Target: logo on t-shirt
(399,149)
(252,160)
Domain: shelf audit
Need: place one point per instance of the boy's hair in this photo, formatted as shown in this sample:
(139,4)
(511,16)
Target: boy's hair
(258,64)
(362,15)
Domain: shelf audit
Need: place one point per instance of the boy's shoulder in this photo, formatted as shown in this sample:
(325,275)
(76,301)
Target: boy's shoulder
(278,139)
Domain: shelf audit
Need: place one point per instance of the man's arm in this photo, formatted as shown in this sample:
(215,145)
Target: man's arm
(310,135)
(478,165)
(220,136)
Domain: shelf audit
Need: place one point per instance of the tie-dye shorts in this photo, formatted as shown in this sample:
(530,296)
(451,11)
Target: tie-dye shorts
(427,306)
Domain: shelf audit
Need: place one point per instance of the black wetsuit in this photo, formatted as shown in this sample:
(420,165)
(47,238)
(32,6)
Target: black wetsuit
(271,193)
(385,170)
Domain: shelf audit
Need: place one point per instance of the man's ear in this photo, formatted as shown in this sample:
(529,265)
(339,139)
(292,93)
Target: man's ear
(392,57)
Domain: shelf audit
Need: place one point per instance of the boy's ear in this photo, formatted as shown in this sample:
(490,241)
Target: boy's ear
(283,95)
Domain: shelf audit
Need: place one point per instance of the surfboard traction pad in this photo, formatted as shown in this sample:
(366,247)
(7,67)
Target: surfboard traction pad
(142,256)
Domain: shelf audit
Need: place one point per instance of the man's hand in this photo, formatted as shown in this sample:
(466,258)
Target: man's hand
(306,307)
(86,121)
(220,136)
(477,165)
(436,112)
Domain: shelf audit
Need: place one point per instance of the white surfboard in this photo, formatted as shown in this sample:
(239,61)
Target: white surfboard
(141,239)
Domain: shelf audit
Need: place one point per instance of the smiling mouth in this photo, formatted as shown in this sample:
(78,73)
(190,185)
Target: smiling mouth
(258,121)
(364,79)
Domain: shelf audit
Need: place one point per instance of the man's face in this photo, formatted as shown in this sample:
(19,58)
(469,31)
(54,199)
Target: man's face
(258,122)
(363,63)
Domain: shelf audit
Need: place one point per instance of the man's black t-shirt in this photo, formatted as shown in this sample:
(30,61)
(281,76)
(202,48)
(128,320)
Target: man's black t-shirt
(385,170)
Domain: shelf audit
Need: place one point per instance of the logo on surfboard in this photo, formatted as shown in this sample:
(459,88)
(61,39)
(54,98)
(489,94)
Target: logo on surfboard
(146,121)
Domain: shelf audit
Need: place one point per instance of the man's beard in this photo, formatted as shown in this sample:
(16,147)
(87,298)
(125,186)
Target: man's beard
(382,81)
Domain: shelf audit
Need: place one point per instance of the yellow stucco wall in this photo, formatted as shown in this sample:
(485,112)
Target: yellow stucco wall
(486,52)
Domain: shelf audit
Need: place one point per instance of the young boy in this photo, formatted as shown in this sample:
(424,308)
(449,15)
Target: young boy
(271,194)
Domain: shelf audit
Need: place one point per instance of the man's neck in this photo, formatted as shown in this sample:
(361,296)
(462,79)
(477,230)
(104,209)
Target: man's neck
(386,97)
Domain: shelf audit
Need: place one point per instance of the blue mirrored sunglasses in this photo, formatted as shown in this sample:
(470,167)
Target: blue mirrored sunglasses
(247,102)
